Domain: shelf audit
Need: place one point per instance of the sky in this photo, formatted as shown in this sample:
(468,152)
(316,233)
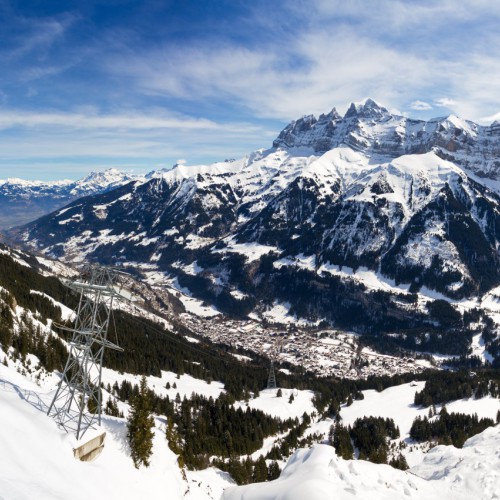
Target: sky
(142,85)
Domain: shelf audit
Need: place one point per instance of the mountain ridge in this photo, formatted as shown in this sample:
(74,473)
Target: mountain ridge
(279,226)
(372,129)
(22,200)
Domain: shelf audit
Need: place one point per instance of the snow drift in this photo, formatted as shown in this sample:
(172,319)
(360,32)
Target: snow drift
(446,473)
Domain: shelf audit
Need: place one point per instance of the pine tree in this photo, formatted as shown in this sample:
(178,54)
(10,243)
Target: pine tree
(273,471)
(260,472)
(140,426)
(92,405)
(174,442)
(112,408)
(399,462)
(340,439)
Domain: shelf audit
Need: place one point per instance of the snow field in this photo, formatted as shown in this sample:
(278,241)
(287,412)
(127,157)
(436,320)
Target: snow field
(318,474)
(397,403)
(185,384)
(36,457)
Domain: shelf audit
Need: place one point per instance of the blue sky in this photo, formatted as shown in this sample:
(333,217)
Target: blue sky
(140,85)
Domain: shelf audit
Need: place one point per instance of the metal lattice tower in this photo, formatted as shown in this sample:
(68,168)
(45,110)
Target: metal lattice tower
(80,383)
(271,379)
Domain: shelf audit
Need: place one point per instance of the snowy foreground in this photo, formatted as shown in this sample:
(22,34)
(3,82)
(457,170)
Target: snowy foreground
(36,458)
(472,472)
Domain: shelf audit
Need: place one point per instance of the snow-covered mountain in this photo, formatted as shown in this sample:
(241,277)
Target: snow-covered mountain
(294,225)
(373,130)
(22,201)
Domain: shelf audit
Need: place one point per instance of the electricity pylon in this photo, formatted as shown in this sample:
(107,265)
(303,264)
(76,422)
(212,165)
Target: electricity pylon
(271,379)
(80,384)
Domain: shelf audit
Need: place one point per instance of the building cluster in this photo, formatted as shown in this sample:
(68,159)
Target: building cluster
(325,352)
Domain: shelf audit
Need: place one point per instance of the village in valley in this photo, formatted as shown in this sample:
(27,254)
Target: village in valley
(325,352)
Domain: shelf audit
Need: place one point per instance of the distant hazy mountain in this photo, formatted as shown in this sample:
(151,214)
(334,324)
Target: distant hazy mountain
(22,201)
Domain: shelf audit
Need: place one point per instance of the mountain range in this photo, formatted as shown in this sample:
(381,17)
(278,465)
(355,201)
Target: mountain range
(21,201)
(320,230)
(412,205)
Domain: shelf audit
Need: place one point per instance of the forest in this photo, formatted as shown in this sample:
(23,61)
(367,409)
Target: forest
(449,428)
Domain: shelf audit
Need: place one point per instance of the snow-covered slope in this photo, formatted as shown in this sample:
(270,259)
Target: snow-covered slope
(280,406)
(473,470)
(36,459)
(22,201)
(397,403)
(446,473)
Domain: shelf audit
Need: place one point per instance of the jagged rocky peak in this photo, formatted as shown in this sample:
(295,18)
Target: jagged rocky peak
(310,131)
(333,115)
(369,128)
(366,109)
(331,129)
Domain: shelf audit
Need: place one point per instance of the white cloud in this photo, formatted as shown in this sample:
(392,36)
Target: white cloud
(490,119)
(398,15)
(88,118)
(17,118)
(318,70)
(147,140)
(337,54)
(36,35)
(444,102)
(420,106)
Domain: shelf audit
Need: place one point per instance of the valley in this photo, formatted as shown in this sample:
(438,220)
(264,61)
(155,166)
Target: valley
(357,257)
(323,352)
